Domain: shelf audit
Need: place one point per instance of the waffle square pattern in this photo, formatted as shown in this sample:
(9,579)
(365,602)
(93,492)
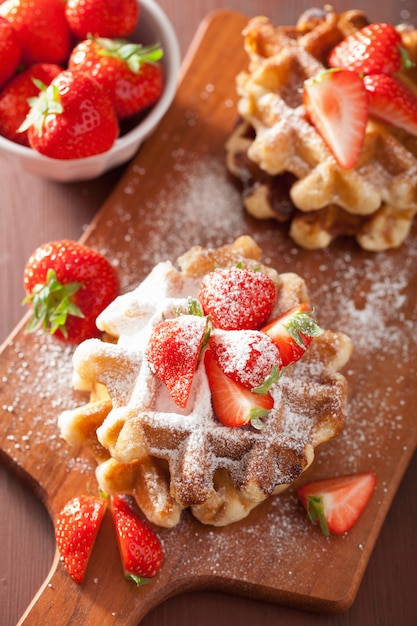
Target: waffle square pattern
(286,170)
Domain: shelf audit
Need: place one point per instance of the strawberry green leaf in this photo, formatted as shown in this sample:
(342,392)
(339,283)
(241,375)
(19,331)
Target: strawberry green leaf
(52,304)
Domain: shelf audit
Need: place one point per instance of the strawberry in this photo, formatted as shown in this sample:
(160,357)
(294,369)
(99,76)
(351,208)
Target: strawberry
(337,503)
(293,333)
(72,118)
(113,18)
(249,357)
(41,28)
(234,404)
(9,51)
(173,351)
(140,548)
(391,101)
(67,286)
(130,73)
(237,298)
(76,531)
(14,97)
(373,49)
(337,105)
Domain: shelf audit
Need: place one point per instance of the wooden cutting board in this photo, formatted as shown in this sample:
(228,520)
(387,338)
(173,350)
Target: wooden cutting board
(176,194)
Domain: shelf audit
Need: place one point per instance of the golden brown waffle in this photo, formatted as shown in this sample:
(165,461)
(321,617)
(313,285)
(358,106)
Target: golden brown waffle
(287,172)
(171,459)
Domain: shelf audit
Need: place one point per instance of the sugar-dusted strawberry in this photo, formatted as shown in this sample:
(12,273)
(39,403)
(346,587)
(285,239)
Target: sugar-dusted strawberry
(237,298)
(293,333)
(113,18)
(249,357)
(335,504)
(41,28)
(173,352)
(391,101)
(9,51)
(336,103)
(72,118)
(67,286)
(373,49)
(14,97)
(76,530)
(130,73)
(234,404)
(140,548)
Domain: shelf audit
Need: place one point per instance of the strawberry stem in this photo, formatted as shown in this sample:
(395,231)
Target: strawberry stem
(315,512)
(139,580)
(52,303)
(302,324)
(256,416)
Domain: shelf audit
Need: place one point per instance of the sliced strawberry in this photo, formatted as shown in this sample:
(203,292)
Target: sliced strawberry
(337,503)
(76,530)
(234,404)
(373,49)
(391,101)
(237,298)
(337,105)
(249,357)
(173,352)
(140,548)
(293,333)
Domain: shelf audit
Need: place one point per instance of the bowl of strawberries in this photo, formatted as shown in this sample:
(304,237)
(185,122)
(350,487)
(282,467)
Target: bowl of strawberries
(80,103)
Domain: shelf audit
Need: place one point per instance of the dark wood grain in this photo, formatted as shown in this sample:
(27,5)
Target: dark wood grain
(67,209)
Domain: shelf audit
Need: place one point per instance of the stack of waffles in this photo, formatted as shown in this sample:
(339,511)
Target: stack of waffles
(287,172)
(170,458)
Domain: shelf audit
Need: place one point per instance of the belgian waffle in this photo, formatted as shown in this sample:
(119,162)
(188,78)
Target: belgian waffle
(287,171)
(171,459)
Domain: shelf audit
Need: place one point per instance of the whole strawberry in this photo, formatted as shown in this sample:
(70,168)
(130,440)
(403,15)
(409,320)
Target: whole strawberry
(237,298)
(41,28)
(140,548)
(376,48)
(130,73)
(9,51)
(76,531)
(72,118)
(14,97)
(67,286)
(111,18)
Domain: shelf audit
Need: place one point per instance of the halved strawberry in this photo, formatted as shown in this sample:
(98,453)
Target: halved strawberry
(391,101)
(337,105)
(140,548)
(234,404)
(76,530)
(237,298)
(173,352)
(293,333)
(373,49)
(337,503)
(249,357)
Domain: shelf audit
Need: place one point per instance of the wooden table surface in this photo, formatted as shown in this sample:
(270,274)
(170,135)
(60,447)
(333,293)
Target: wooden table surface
(33,211)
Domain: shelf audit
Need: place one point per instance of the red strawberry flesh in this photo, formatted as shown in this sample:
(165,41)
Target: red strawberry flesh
(140,548)
(337,503)
(76,530)
(337,105)
(234,404)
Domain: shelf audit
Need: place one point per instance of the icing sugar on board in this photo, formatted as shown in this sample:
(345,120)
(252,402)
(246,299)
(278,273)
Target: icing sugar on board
(175,194)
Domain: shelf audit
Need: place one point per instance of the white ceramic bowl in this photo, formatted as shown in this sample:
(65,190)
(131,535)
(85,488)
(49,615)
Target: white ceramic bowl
(153,26)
